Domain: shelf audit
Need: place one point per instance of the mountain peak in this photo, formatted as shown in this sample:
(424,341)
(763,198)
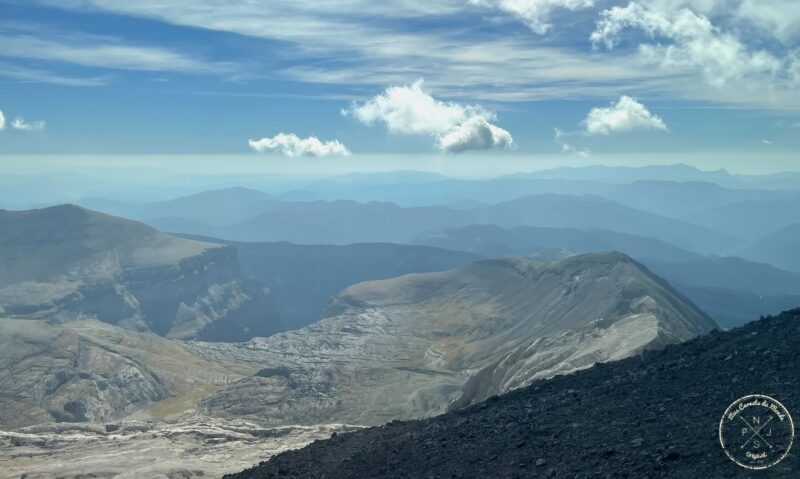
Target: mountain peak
(66,262)
(425,335)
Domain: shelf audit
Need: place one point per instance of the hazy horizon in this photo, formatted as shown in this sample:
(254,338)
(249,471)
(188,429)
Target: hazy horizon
(456,166)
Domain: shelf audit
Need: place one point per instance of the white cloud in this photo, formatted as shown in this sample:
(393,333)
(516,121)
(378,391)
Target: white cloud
(475,134)
(410,110)
(625,115)
(19,123)
(534,13)
(692,43)
(2,121)
(292,145)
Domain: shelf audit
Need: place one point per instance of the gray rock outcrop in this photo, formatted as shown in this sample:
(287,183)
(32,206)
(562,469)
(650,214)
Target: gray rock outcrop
(66,263)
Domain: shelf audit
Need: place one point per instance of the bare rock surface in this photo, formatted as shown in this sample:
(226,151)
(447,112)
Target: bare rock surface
(189,446)
(413,346)
(87,370)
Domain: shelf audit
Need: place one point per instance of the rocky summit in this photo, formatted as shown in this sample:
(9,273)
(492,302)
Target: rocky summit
(416,345)
(650,416)
(67,263)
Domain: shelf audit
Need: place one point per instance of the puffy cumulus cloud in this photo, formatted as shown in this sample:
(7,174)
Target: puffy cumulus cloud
(534,13)
(19,123)
(476,133)
(293,146)
(625,115)
(410,110)
(683,39)
(2,121)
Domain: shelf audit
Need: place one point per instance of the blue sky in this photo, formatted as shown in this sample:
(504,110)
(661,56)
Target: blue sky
(499,77)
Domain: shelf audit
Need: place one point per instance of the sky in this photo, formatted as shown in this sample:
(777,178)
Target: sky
(404,84)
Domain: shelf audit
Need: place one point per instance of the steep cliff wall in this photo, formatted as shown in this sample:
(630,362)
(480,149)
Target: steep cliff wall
(125,273)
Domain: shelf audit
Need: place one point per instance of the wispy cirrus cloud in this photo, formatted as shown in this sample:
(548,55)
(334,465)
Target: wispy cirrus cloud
(57,46)
(19,123)
(410,110)
(36,75)
(534,13)
(357,43)
(291,145)
(360,42)
(103,52)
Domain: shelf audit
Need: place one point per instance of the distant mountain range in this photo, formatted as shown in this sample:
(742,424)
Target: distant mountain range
(715,213)
(750,219)
(142,185)
(729,273)
(344,221)
(676,199)
(676,172)
(492,240)
(214,207)
(780,247)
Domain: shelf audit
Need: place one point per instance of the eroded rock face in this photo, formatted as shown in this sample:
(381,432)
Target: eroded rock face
(65,263)
(408,347)
(86,370)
